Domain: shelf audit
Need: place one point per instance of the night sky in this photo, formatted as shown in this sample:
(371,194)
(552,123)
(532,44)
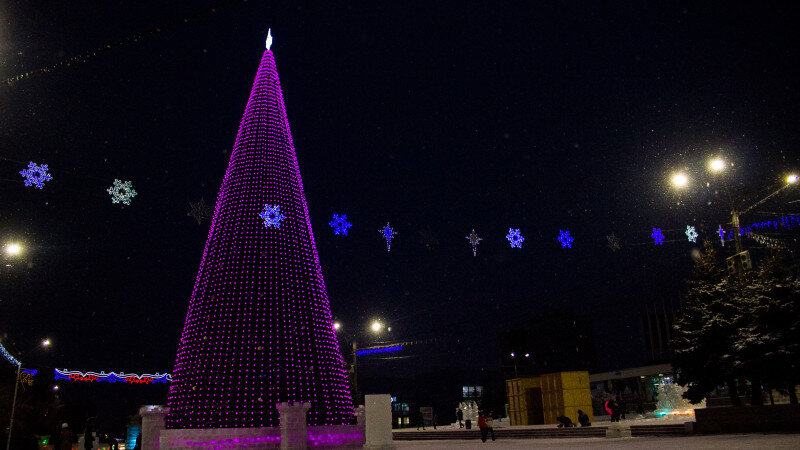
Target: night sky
(438,117)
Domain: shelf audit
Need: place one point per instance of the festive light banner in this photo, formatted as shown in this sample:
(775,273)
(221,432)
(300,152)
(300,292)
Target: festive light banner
(112,377)
(8,356)
(132,39)
(374,351)
(782,222)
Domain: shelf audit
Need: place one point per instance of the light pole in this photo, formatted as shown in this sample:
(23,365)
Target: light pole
(376,327)
(718,165)
(13,406)
(18,363)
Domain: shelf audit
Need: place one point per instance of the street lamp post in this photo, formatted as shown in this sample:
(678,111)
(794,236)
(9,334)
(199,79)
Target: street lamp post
(45,344)
(13,406)
(717,165)
(376,327)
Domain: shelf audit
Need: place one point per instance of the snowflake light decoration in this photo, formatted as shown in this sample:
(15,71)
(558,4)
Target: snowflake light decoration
(388,234)
(613,242)
(474,240)
(340,224)
(36,175)
(121,192)
(200,211)
(658,236)
(721,232)
(272,216)
(515,237)
(691,234)
(565,239)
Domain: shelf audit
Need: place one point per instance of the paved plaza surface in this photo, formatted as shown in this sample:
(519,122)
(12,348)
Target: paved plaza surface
(722,441)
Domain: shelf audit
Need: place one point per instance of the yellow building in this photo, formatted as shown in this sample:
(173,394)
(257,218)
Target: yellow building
(541,399)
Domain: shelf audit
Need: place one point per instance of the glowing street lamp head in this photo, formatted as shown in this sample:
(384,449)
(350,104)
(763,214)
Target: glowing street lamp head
(376,326)
(680,180)
(791,179)
(336,326)
(716,165)
(46,343)
(13,249)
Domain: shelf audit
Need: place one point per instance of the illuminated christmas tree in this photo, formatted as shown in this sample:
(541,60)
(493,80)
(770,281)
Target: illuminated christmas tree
(259,327)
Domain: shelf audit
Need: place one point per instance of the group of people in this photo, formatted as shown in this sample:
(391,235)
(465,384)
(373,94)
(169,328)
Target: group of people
(566,422)
(64,438)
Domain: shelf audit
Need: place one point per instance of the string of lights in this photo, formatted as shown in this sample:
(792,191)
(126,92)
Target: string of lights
(767,241)
(10,358)
(113,44)
(112,377)
(122,192)
(785,222)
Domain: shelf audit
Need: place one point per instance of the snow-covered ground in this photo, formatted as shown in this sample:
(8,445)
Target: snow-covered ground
(600,422)
(721,442)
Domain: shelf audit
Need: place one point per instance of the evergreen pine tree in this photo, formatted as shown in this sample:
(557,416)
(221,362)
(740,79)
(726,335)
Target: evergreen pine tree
(769,338)
(705,331)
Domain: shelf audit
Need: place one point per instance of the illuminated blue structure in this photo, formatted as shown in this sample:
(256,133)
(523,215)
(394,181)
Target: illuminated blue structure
(272,216)
(388,234)
(36,175)
(721,233)
(658,236)
(691,234)
(374,351)
(340,224)
(515,238)
(133,433)
(565,239)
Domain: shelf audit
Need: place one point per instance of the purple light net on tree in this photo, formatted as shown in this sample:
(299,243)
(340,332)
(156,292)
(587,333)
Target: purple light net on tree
(259,327)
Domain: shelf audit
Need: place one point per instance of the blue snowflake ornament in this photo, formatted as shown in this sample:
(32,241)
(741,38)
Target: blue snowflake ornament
(388,234)
(36,175)
(340,224)
(658,236)
(691,234)
(565,239)
(121,192)
(515,237)
(272,216)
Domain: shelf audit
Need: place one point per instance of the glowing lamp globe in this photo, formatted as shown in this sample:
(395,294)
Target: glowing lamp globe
(376,326)
(680,180)
(791,179)
(13,249)
(716,165)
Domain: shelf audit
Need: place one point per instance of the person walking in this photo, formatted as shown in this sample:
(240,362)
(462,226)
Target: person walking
(66,438)
(420,421)
(483,426)
(88,435)
(435,419)
(460,416)
(614,408)
(490,424)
